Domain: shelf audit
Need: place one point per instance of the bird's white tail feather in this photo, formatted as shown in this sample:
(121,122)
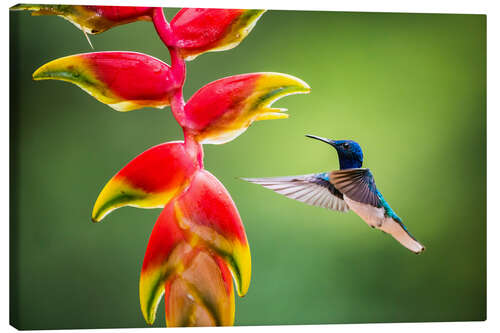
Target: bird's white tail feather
(376,217)
(401,235)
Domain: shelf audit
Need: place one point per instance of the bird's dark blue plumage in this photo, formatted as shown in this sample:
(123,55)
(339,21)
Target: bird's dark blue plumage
(351,187)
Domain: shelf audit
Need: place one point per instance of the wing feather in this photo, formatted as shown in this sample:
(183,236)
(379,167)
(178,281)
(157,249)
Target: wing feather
(312,189)
(357,184)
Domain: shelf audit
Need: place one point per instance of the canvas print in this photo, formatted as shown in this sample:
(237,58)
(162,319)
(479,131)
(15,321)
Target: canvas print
(115,108)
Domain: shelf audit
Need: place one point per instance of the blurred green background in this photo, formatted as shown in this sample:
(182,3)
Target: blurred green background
(410,88)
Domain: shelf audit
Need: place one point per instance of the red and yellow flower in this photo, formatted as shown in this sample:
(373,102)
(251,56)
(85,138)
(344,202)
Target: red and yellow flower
(123,80)
(200,30)
(222,110)
(200,228)
(150,180)
(91,19)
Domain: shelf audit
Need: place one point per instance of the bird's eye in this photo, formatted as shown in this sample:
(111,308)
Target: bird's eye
(345,145)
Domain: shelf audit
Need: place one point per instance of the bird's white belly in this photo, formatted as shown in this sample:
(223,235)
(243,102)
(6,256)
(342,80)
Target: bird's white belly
(373,216)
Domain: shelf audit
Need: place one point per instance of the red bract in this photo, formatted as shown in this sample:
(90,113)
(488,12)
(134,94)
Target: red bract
(207,211)
(91,19)
(150,180)
(223,109)
(199,30)
(204,218)
(199,240)
(123,80)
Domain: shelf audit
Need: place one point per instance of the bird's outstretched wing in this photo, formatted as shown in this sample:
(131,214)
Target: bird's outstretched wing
(313,189)
(357,184)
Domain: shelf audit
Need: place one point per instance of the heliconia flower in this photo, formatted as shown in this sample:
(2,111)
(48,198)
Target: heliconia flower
(150,180)
(200,30)
(198,245)
(204,216)
(124,80)
(91,19)
(222,110)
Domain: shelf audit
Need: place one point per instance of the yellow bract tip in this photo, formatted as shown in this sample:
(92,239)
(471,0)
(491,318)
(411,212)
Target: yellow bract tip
(271,115)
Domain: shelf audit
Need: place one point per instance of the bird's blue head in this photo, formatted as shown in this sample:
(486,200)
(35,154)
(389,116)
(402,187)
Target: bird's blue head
(350,153)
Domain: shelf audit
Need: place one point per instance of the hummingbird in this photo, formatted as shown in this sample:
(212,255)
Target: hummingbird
(350,188)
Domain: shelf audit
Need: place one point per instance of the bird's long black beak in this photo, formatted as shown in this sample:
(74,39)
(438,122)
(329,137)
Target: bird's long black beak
(330,142)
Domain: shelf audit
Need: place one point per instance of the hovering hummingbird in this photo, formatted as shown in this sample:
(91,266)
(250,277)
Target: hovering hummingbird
(351,187)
